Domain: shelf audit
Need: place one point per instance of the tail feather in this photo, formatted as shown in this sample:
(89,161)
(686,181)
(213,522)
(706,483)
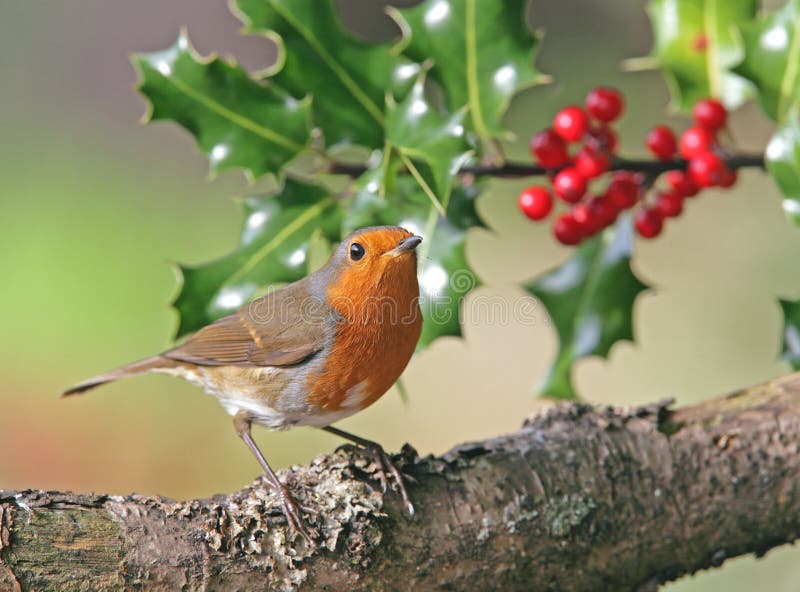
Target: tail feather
(134,369)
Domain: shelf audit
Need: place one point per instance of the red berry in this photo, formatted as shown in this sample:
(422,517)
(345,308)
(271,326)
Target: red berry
(567,230)
(682,184)
(623,191)
(604,104)
(592,163)
(589,223)
(669,205)
(594,215)
(601,138)
(571,123)
(710,114)
(569,185)
(536,202)
(696,140)
(604,209)
(648,222)
(549,149)
(728,179)
(661,142)
(700,43)
(706,169)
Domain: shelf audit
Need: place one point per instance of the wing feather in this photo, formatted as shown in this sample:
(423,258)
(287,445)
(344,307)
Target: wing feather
(279,329)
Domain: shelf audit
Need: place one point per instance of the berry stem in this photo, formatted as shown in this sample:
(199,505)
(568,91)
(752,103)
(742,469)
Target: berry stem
(517,169)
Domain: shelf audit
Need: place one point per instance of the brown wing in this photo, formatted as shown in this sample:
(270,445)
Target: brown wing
(279,329)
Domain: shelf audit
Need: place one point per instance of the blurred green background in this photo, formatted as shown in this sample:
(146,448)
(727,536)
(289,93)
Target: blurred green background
(94,207)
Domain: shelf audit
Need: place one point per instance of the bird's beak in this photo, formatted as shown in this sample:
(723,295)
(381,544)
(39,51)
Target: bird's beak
(407,244)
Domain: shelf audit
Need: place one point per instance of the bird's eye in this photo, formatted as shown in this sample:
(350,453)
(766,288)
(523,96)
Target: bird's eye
(356,251)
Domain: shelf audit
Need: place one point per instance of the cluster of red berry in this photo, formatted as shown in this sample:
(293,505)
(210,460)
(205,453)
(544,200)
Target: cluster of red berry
(571,175)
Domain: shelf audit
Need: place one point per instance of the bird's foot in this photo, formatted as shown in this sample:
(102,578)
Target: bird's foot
(386,472)
(294,514)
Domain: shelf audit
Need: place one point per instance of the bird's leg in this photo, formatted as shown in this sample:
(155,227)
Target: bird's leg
(386,469)
(291,509)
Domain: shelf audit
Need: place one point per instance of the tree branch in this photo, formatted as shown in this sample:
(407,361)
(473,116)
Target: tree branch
(519,169)
(578,499)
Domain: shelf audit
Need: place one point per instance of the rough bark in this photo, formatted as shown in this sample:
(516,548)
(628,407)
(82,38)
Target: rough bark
(581,498)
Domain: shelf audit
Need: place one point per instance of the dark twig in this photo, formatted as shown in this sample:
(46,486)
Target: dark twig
(518,169)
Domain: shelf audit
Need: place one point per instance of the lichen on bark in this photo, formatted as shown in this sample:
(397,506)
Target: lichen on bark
(580,498)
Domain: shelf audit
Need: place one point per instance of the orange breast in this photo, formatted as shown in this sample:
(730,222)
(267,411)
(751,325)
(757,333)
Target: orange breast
(374,342)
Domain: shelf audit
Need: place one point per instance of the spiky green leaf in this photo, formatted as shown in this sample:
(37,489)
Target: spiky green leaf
(590,300)
(697,45)
(790,348)
(783,162)
(772,58)
(482,54)
(273,249)
(347,78)
(420,132)
(237,121)
(772,63)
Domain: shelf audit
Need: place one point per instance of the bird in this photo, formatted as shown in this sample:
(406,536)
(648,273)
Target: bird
(310,353)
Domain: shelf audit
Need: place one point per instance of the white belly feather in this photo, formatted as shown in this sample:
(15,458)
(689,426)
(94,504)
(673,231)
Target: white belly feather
(247,400)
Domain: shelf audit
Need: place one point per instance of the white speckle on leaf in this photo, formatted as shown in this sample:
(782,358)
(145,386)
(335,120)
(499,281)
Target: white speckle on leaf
(505,77)
(220,152)
(433,279)
(437,13)
(418,107)
(775,38)
(164,67)
(230,298)
(256,220)
(298,257)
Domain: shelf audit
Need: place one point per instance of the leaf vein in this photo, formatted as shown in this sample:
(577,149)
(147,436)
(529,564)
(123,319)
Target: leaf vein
(473,89)
(348,82)
(279,237)
(235,118)
(789,80)
(712,65)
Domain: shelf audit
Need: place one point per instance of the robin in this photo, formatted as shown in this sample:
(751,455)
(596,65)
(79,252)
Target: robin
(311,353)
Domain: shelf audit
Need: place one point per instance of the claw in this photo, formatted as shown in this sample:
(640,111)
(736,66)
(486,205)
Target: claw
(386,473)
(385,470)
(410,478)
(308,510)
(291,510)
(348,448)
(380,468)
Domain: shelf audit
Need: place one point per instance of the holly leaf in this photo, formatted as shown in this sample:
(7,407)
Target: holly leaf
(348,78)
(482,54)
(771,58)
(697,45)
(790,351)
(590,300)
(237,121)
(273,248)
(445,277)
(420,132)
(783,162)
(772,62)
